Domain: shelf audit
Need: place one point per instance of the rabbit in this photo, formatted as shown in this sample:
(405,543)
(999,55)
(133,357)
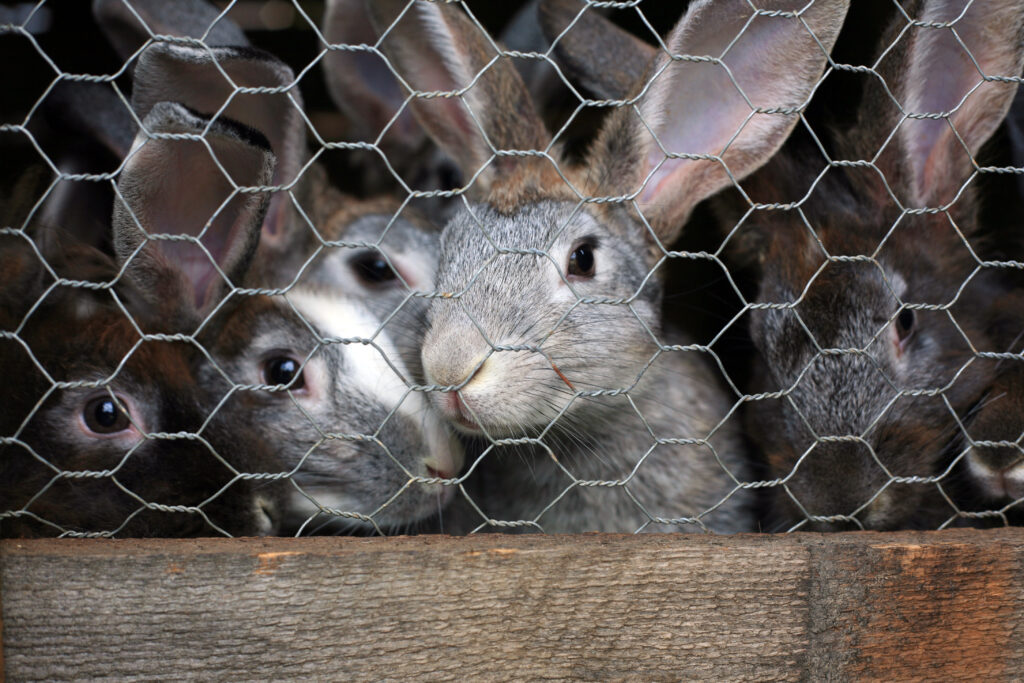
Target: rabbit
(861,372)
(544,333)
(92,414)
(899,400)
(309,371)
(992,482)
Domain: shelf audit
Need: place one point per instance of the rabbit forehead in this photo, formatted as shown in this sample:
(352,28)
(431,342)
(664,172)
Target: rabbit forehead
(106,343)
(476,234)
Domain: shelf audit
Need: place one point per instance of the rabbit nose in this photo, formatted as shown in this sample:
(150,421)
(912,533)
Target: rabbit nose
(449,362)
(999,472)
(457,376)
(997,458)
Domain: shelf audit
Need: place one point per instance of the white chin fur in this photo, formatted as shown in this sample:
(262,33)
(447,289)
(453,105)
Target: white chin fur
(994,484)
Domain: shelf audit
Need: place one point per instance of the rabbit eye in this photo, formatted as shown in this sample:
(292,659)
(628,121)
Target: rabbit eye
(103,415)
(373,269)
(284,371)
(581,261)
(905,324)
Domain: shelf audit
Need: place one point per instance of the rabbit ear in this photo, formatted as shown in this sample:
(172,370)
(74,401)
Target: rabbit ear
(693,107)
(188,186)
(196,77)
(361,83)
(86,129)
(436,47)
(938,76)
(606,59)
(128,24)
(92,110)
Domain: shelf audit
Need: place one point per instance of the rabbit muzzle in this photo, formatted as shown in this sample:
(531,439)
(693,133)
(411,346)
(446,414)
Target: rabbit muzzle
(998,471)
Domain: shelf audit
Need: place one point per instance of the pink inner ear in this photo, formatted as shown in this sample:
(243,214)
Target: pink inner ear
(703,123)
(184,208)
(696,108)
(433,57)
(204,88)
(188,192)
(941,73)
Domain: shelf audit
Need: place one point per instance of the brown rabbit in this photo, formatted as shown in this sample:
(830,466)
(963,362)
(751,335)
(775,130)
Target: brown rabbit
(547,337)
(104,432)
(867,434)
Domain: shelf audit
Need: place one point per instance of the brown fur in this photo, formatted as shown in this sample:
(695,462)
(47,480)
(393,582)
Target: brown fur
(79,334)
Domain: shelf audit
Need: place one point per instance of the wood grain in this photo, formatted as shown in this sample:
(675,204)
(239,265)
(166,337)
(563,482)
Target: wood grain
(869,606)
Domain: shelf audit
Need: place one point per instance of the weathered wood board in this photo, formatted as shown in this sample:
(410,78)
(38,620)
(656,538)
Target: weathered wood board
(900,606)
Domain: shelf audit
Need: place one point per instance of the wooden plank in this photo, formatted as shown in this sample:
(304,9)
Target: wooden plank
(923,605)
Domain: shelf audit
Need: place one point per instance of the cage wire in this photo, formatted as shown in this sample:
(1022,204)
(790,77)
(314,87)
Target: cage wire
(360,371)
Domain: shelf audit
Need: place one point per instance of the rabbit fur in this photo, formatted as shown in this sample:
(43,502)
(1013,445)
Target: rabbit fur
(557,367)
(347,430)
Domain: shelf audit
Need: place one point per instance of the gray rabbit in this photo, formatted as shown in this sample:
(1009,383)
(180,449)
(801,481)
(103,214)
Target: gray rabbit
(545,336)
(312,372)
(868,319)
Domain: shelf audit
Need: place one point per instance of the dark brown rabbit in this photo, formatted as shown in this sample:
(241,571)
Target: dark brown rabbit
(883,303)
(104,433)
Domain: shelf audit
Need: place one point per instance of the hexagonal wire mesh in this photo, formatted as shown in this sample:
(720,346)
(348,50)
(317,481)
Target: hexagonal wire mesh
(215,326)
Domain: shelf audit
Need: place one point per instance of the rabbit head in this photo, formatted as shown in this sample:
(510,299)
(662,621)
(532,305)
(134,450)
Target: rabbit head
(309,371)
(871,303)
(545,295)
(109,433)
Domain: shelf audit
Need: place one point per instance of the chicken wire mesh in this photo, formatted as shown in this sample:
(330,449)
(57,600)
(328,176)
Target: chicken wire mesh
(229,305)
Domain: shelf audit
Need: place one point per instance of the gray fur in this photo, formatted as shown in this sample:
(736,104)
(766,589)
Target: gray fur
(902,397)
(516,301)
(349,435)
